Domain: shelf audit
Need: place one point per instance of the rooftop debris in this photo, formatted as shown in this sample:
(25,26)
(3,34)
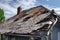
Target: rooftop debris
(30,20)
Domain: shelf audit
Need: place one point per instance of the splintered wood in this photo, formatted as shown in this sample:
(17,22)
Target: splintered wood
(25,24)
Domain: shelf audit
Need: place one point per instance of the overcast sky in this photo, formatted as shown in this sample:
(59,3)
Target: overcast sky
(10,6)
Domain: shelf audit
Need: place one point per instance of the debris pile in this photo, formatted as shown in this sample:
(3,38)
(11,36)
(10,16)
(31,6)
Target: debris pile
(29,21)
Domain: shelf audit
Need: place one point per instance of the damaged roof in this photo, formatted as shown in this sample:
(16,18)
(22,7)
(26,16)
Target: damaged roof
(28,21)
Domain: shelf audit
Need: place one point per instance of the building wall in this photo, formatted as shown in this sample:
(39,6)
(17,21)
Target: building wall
(56,31)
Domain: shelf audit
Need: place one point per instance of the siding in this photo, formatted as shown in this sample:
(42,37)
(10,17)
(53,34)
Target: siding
(55,31)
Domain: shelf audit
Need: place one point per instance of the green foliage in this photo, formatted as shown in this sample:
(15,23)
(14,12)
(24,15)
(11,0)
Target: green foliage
(2,17)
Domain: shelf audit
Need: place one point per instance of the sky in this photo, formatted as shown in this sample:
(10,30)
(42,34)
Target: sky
(10,6)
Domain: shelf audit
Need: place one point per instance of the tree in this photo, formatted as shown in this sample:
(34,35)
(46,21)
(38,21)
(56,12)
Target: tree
(2,17)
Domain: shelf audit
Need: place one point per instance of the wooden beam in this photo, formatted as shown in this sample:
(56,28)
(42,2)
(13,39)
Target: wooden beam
(25,35)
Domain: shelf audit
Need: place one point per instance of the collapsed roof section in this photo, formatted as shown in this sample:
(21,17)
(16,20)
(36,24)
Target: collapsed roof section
(28,21)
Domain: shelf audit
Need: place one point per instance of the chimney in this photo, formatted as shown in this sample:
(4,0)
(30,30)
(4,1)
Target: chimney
(19,10)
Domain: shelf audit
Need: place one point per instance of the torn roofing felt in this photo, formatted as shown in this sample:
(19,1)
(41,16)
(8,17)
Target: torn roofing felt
(28,21)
